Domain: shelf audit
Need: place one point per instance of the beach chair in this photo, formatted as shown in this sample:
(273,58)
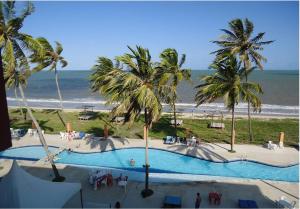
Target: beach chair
(247,204)
(170,140)
(119,119)
(178,122)
(216,125)
(13,134)
(172,202)
(283,202)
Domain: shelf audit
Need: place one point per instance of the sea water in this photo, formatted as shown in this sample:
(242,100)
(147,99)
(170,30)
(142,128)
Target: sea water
(280,97)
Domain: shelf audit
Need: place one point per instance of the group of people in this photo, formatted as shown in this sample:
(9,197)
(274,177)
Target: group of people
(213,197)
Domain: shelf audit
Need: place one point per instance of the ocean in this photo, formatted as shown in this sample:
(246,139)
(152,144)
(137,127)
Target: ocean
(281,92)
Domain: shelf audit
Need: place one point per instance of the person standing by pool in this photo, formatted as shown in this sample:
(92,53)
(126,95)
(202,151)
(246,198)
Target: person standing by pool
(198,201)
(132,162)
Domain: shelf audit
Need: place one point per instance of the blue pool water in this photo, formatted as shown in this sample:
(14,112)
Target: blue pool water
(165,162)
(26,153)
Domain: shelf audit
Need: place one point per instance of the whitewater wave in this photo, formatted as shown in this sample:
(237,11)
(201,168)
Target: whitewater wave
(267,109)
(220,105)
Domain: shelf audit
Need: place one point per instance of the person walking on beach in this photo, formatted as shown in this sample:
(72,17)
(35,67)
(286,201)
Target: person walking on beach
(198,201)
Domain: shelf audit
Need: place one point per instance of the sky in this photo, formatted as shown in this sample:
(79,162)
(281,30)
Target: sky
(88,30)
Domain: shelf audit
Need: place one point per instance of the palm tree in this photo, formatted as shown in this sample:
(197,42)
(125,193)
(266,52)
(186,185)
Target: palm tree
(13,82)
(133,90)
(170,73)
(227,82)
(238,40)
(52,57)
(13,42)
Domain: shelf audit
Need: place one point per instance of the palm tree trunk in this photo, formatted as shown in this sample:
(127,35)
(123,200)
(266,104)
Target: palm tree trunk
(41,137)
(232,131)
(58,89)
(5,142)
(175,119)
(20,107)
(146,192)
(249,119)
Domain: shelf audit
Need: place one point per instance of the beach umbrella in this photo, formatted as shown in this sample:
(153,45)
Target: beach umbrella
(105,132)
(69,127)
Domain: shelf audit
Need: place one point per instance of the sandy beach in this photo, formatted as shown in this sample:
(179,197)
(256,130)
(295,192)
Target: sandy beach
(182,114)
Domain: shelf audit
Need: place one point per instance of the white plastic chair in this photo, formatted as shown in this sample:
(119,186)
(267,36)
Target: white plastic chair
(272,146)
(30,131)
(122,183)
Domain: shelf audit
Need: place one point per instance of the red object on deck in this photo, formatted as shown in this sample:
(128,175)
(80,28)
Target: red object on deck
(215,198)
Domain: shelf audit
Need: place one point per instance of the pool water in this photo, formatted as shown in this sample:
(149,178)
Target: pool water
(27,152)
(165,162)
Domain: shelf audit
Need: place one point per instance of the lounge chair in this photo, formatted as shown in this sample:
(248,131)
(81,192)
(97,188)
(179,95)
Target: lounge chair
(247,204)
(170,140)
(178,122)
(119,119)
(17,133)
(85,117)
(216,125)
(13,134)
(285,203)
(172,202)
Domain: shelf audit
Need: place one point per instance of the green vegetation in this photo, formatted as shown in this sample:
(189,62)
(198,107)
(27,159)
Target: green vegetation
(170,72)
(264,129)
(227,82)
(16,46)
(51,58)
(238,41)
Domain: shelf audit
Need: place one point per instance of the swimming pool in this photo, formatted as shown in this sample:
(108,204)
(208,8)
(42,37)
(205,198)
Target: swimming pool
(162,161)
(33,152)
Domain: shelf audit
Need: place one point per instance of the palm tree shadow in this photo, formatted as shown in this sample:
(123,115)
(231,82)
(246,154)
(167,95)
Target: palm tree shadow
(55,111)
(218,145)
(164,126)
(97,131)
(43,125)
(201,152)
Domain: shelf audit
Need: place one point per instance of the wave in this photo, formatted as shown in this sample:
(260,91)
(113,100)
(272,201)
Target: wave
(187,107)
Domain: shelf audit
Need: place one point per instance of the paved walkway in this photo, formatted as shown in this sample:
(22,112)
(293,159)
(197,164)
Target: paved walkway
(209,151)
(263,192)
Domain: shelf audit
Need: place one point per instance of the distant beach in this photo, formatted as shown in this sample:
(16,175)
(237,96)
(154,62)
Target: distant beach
(278,100)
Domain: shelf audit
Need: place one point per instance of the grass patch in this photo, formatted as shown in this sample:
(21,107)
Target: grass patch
(264,130)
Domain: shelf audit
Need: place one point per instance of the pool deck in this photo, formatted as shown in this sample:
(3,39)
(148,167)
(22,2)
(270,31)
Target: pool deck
(263,192)
(209,151)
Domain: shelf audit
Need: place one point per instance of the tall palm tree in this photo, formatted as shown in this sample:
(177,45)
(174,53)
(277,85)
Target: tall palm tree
(13,82)
(170,73)
(133,90)
(238,40)
(52,57)
(13,42)
(228,82)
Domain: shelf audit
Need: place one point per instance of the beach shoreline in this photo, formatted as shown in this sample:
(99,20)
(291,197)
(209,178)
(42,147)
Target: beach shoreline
(187,115)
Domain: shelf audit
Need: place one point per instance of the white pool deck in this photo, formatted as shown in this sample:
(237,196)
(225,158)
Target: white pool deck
(263,192)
